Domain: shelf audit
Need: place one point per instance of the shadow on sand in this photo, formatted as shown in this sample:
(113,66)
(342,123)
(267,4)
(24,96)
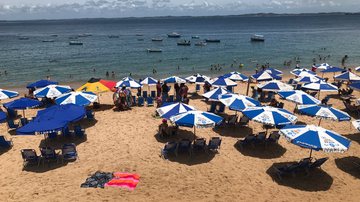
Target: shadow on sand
(350,165)
(354,137)
(317,180)
(269,151)
(181,134)
(233,131)
(195,158)
(59,141)
(103,107)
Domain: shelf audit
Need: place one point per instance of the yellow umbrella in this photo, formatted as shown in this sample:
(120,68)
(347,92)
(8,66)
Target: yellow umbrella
(96,86)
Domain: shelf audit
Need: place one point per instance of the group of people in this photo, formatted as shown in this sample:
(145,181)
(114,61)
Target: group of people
(162,91)
(122,98)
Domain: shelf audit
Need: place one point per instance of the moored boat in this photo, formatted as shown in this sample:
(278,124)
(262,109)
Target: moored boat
(184,43)
(257,37)
(48,40)
(113,36)
(23,38)
(76,43)
(201,43)
(212,40)
(174,35)
(158,39)
(195,37)
(152,50)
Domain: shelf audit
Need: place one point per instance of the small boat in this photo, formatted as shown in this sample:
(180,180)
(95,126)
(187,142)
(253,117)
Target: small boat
(54,35)
(212,40)
(201,43)
(195,37)
(174,35)
(76,43)
(158,39)
(72,37)
(84,35)
(139,35)
(140,39)
(184,43)
(151,50)
(113,36)
(48,40)
(23,38)
(257,37)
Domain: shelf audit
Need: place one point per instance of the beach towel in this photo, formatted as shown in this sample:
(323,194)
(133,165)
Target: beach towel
(127,180)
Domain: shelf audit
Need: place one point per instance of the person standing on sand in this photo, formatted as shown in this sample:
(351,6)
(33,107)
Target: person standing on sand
(177,92)
(165,91)
(158,89)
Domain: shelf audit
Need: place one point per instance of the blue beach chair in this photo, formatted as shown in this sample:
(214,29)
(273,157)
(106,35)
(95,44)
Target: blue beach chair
(5,144)
(153,94)
(134,100)
(212,107)
(11,124)
(30,157)
(23,121)
(197,87)
(68,152)
(145,94)
(171,98)
(229,88)
(150,101)
(221,108)
(90,115)
(48,154)
(79,131)
(140,101)
(12,114)
(214,143)
(169,148)
(184,146)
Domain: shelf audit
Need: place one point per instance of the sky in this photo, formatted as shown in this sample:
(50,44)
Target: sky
(62,9)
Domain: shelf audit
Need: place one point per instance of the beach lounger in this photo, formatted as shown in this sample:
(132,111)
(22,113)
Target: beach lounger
(78,131)
(66,132)
(184,146)
(221,108)
(244,121)
(313,94)
(316,164)
(293,168)
(12,114)
(232,121)
(133,101)
(48,154)
(351,108)
(145,94)
(90,115)
(199,144)
(197,87)
(270,96)
(52,135)
(290,81)
(214,144)
(260,138)
(298,87)
(11,124)
(249,140)
(262,96)
(140,101)
(280,105)
(212,107)
(153,94)
(5,144)
(169,148)
(149,101)
(30,157)
(68,152)
(273,137)
(23,121)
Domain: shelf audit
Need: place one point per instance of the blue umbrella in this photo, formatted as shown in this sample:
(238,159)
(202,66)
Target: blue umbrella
(265,76)
(222,81)
(323,111)
(308,79)
(170,109)
(79,98)
(174,79)
(347,76)
(315,138)
(67,112)
(2,116)
(297,72)
(270,115)
(238,102)
(320,86)
(41,84)
(332,69)
(149,81)
(197,78)
(51,91)
(42,126)
(214,94)
(274,71)
(128,82)
(23,103)
(5,94)
(355,86)
(236,76)
(275,86)
(299,97)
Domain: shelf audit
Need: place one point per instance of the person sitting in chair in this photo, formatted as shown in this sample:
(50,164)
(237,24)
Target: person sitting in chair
(164,128)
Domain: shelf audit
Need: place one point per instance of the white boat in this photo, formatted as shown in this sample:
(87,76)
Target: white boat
(174,35)
(48,40)
(152,50)
(184,43)
(84,35)
(113,36)
(76,43)
(158,39)
(201,43)
(257,37)
(195,37)
(23,38)
(212,40)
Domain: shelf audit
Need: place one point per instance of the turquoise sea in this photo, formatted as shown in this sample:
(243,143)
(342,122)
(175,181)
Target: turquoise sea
(288,38)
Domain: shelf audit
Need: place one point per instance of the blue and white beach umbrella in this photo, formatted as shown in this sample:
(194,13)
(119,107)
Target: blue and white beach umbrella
(274,86)
(355,86)
(171,109)
(299,97)
(149,81)
(270,115)
(332,69)
(324,112)
(238,102)
(222,81)
(324,66)
(174,79)
(79,98)
(213,95)
(320,86)
(51,91)
(197,119)
(274,71)
(347,76)
(308,79)
(315,138)
(236,76)
(6,94)
(128,82)
(197,78)
(298,72)
(357,68)
(265,76)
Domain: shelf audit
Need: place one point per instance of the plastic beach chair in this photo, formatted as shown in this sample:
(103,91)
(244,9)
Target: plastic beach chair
(134,100)
(69,152)
(221,108)
(318,163)
(199,144)
(169,148)
(30,157)
(212,107)
(11,124)
(274,137)
(171,98)
(79,132)
(145,94)
(153,94)
(248,140)
(48,154)
(90,115)
(11,113)
(149,101)
(214,143)
(5,144)
(23,121)
(197,87)
(140,101)
(184,146)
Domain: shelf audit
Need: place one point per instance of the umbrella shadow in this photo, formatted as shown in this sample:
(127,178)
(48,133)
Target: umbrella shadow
(85,123)
(233,131)
(45,167)
(3,150)
(196,158)
(317,180)
(270,151)
(103,107)
(350,165)
(196,96)
(354,137)
(180,134)
(59,141)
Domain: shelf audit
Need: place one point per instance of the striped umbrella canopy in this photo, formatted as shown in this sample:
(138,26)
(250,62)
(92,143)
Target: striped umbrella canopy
(347,76)
(41,84)
(308,79)
(174,79)
(332,69)
(149,81)
(265,76)
(324,112)
(238,102)
(356,124)
(196,119)
(299,97)
(320,86)
(197,78)
(213,95)
(79,98)
(222,81)
(357,68)
(128,82)
(324,66)
(51,91)
(236,76)
(171,109)
(297,72)
(315,138)
(275,86)
(97,85)
(274,71)
(270,115)
(355,86)
(6,94)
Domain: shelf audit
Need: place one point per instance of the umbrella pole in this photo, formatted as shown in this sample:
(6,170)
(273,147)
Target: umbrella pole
(319,122)
(24,113)
(248,86)
(295,107)
(310,152)
(319,94)
(194,132)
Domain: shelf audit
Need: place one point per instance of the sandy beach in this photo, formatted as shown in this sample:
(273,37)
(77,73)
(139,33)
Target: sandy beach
(127,141)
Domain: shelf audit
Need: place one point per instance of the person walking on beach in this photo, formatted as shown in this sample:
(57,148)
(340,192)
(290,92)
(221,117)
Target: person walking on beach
(158,89)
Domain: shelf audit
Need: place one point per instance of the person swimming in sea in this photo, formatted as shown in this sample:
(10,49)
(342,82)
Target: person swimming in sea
(107,74)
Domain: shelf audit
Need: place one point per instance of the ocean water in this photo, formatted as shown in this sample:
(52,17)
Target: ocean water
(288,38)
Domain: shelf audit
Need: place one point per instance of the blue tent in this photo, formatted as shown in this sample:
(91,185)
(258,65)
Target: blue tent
(67,112)
(41,126)
(22,103)
(41,84)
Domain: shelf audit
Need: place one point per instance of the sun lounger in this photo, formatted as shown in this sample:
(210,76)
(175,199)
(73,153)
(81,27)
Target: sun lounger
(298,87)
(293,168)
(199,144)
(30,157)
(269,97)
(171,98)
(90,115)
(214,143)
(140,101)
(169,148)
(78,131)
(11,124)
(290,81)
(229,88)
(23,121)
(212,107)
(153,94)
(197,87)
(5,144)
(313,94)
(48,154)
(249,140)
(52,135)
(66,132)
(68,152)
(221,108)
(352,109)
(273,137)
(260,138)
(149,101)
(317,164)
(280,105)
(244,121)
(12,114)
(133,101)
(184,146)
(145,94)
